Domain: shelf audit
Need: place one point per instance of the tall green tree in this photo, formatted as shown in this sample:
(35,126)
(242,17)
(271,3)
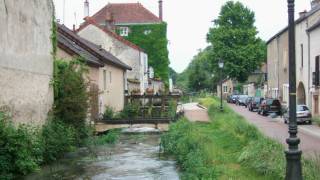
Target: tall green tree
(234,40)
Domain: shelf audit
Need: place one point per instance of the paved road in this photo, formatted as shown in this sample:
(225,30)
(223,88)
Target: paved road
(195,113)
(310,144)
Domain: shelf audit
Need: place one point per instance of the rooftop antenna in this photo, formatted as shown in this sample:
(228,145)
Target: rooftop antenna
(75,19)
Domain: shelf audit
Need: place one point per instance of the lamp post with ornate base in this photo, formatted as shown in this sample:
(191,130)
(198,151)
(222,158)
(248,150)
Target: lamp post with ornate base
(221,64)
(293,154)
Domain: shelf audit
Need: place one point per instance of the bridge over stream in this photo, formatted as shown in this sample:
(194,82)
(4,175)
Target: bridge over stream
(155,111)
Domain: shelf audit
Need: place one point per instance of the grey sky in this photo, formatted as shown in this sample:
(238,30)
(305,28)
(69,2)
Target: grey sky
(189,20)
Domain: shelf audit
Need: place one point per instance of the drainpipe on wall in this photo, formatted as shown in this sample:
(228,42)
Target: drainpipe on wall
(309,64)
(278,65)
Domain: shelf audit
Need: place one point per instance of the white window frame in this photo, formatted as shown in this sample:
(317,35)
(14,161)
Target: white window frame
(225,89)
(124,31)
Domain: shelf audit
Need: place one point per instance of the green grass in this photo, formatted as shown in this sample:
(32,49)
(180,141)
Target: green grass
(227,148)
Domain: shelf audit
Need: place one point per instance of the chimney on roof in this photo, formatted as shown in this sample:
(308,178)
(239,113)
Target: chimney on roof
(109,22)
(86,8)
(302,13)
(74,28)
(160,10)
(314,3)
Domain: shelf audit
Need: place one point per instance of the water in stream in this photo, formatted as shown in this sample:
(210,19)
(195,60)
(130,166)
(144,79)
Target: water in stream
(134,157)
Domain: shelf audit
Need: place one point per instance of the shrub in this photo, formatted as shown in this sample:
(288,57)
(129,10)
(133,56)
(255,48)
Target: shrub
(71,98)
(108,113)
(172,111)
(130,110)
(20,149)
(57,138)
(110,138)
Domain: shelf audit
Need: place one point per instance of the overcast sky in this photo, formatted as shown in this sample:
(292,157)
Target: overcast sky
(189,20)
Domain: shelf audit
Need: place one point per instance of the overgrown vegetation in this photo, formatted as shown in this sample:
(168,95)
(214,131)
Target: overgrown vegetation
(71,98)
(57,138)
(21,150)
(153,39)
(108,113)
(232,149)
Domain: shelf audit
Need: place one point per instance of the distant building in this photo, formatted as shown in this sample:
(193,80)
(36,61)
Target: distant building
(256,82)
(124,50)
(26,62)
(106,72)
(228,88)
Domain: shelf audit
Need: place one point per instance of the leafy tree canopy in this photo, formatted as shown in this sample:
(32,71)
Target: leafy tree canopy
(234,40)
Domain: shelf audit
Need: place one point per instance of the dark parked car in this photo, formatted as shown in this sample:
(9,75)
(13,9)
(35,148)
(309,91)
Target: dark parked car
(255,103)
(241,101)
(303,115)
(232,99)
(269,106)
(248,100)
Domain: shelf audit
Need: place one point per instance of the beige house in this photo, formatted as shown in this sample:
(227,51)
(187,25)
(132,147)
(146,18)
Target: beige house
(124,50)
(106,72)
(26,63)
(278,77)
(227,88)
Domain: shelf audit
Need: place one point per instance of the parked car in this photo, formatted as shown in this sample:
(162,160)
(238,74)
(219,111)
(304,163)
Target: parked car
(232,99)
(241,101)
(248,100)
(229,99)
(255,103)
(303,115)
(269,106)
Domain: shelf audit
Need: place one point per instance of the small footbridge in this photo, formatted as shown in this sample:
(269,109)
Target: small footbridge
(154,111)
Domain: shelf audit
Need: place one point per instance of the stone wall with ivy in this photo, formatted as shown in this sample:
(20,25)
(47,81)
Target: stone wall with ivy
(153,39)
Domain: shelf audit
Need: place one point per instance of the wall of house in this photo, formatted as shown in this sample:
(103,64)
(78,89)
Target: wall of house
(26,63)
(304,77)
(230,89)
(314,51)
(125,53)
(277,65)
(113,95)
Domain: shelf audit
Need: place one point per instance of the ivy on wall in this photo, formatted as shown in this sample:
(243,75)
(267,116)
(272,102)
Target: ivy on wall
(153,39)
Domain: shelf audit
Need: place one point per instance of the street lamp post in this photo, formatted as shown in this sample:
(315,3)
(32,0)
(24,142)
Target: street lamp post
(221,64)
(293,154)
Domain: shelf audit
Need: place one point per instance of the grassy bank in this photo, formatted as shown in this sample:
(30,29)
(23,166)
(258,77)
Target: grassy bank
(227,148)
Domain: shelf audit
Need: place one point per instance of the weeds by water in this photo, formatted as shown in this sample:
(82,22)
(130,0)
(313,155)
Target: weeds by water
(228,148)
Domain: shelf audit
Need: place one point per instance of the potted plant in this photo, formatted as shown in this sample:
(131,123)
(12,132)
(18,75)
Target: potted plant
(135,92)
(149,91)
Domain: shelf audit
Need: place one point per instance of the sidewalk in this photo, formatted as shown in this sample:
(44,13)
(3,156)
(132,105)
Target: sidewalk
(194,113)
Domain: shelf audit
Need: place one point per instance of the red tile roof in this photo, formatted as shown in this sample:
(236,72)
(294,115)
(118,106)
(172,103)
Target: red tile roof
(91,21)
(123,13)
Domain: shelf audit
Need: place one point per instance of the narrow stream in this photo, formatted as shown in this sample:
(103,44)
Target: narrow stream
(134,157)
